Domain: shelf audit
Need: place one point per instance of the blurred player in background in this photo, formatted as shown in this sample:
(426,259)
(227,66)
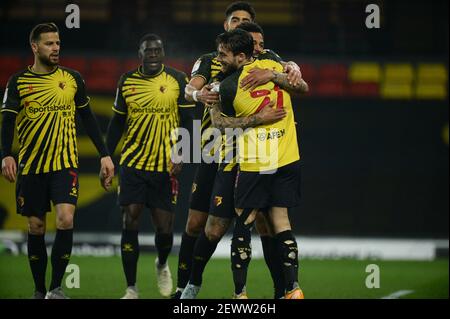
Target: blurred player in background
(45,98)
(222,196)
(150,102)
(205,71)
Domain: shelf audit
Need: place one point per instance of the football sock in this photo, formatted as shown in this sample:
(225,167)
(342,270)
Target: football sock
(129,247)
(241,254)
(203,251)
(62,248)
(185,259)
(37,257)
(289,256)
(273,261)
(163,243)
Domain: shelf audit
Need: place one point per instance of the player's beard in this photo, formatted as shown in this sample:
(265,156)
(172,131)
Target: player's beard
(46,60)
(229,69)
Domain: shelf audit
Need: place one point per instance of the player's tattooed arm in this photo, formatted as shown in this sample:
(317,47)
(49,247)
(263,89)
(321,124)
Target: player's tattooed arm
(258,76)
(282,80)
(265,116)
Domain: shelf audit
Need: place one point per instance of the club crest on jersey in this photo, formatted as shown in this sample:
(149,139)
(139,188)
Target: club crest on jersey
(20,201)
(163,88)
(62,85)
(218,200)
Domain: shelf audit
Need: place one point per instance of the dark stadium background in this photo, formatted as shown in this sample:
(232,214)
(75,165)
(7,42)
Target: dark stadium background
(373,129)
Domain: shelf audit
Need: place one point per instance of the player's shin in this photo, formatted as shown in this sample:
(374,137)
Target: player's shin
(287,246)
(61,251)
(203,250)
(37,257)
(130,254)
(185,260)
(241,253)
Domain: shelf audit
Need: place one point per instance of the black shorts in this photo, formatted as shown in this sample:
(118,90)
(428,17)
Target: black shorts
(222,199)
(202,187)
(35,191)
(153,189)
(280,189)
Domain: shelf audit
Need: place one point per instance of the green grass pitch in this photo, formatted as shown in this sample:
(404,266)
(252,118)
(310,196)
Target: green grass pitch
(102,277)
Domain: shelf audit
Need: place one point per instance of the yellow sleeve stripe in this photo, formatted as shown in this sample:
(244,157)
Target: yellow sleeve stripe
(85,104)
(9,110)
(186,105)
(117,111)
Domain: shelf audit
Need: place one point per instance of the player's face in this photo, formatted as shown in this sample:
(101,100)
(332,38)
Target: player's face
(258,43)
(229,62)
(151,54)
(235,19)
(47,48)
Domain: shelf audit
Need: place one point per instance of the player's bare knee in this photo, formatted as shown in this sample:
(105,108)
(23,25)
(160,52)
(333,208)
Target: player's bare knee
(36,227)
(195,225)
(64,221)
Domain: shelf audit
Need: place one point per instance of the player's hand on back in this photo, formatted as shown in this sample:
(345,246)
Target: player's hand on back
(9,168)
(294,74)
(255,78)
(269,115)
(106,172)
(207,96)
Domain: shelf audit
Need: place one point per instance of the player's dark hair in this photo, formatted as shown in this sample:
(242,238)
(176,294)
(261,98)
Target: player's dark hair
(36,32)
(240,5)
(251,27)
(150,37)
(237,41)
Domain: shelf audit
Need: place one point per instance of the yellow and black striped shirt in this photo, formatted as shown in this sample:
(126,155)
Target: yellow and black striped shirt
(45,105)
(151,104)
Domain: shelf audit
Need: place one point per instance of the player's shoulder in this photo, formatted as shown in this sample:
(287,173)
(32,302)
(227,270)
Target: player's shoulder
(268,54)
(208,56)
(72,72)
(15,76)
(178,74)
(128,74)
(230,83)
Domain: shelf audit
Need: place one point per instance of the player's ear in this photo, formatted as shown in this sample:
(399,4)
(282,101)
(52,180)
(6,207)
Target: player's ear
(225,25)
(34,47)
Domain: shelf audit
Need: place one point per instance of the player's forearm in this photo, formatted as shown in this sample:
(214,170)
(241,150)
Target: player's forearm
(281,79)
(222,122)
(7,132)
(92,129)
(115,131)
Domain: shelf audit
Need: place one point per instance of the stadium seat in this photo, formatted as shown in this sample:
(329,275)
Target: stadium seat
(329,88)
(309,72)
(128,65)
(333,72)
(391,90)
(431,91)
(10,64)
(398,73)
(178,64)
(365,72)
(436,73)
(363,89)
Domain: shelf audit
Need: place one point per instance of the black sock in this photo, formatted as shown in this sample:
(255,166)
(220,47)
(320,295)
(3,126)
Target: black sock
(37,257)
(62,248)
(289,256)
(273,261)
(185,259)
(129,246)
(163,243)
(277,265)
(203,251)
(241,254)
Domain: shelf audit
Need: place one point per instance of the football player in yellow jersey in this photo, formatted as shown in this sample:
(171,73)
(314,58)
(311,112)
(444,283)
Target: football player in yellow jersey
(150,102)
(235,53)
(205,71)
(45,98)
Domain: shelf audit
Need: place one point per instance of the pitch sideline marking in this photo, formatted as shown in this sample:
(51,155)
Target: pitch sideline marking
(398,294)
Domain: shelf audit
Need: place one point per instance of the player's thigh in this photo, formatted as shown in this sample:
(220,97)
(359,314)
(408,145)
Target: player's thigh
(162,191)
(252,190)
(33,195)
(202,187)
(132,188)
(285,191)
(222,196)
(64,187)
